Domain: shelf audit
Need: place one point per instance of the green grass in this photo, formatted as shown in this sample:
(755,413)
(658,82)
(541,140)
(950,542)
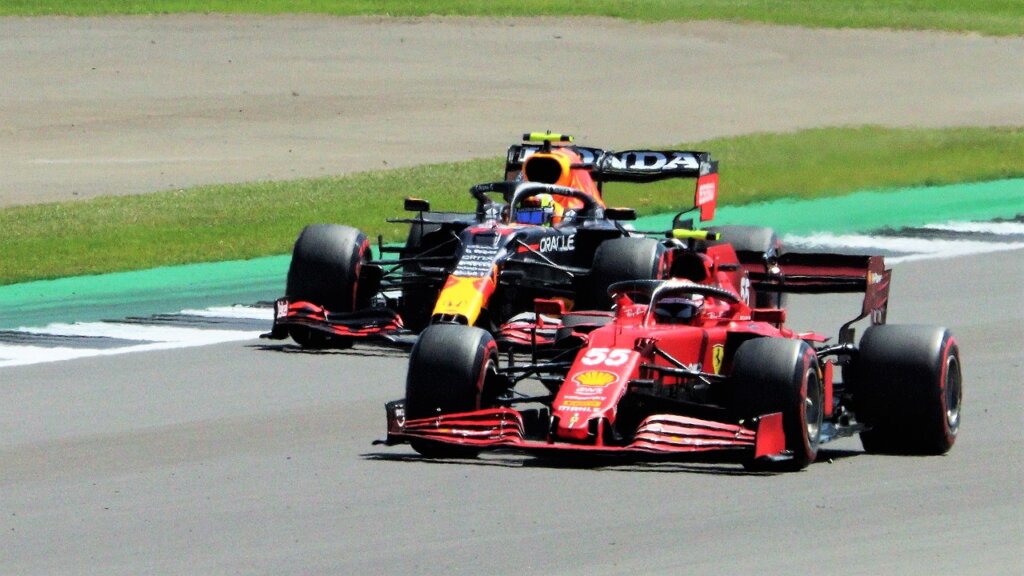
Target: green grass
(995,17)
(229,222)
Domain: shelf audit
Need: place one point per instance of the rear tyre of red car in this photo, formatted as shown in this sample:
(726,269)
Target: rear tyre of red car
(781,375)
(326,263)
(451,369)
(621,259)
(908,389)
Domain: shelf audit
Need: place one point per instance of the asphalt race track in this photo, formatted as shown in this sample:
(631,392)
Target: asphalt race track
(257,458)
(253,458)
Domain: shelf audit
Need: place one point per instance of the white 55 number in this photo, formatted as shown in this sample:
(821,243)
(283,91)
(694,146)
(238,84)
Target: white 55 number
(606,356)
(745,289)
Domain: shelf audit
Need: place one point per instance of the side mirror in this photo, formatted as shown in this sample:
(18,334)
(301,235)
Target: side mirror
(620,213)
(417,205)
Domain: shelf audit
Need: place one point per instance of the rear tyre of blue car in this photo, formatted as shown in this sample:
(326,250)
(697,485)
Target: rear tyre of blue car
(781,375)
(451,370)
(761,241)
(621,259)
(908,389)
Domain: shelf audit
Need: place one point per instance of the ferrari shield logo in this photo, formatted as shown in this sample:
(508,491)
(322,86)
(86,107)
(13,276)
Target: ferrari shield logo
(717,354)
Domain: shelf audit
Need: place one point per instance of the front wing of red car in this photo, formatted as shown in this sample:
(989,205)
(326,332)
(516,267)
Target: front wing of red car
(663,435)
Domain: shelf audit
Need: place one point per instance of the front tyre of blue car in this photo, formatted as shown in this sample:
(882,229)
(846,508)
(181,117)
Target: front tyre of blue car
(325,270)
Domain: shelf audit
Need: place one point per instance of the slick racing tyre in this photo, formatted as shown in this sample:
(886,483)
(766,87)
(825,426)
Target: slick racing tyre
(908,389)
(622,259)
(326,263)
(756,239)
(781,375)
(452,369)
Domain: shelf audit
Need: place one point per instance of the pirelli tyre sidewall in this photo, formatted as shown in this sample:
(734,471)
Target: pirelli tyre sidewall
(781,375)
(907,386)
(326,263)
(450,369)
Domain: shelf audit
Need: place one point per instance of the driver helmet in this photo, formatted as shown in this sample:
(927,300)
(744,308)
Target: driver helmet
(677,310)
(540,209)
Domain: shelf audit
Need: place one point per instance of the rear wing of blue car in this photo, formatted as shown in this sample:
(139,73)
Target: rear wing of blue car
(638,166)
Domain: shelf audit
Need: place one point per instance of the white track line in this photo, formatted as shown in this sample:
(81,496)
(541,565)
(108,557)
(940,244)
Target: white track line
(1000,228)
(139,332)
(914,248)
(14,355)
(236,312)
(149,337)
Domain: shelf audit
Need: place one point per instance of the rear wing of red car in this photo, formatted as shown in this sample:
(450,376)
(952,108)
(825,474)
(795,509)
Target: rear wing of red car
(821,273)
(639,166)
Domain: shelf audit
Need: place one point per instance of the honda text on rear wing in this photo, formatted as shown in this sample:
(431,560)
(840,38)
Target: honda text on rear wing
(636,166)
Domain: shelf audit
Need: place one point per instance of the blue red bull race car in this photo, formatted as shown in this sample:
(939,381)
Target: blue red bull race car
(544,231)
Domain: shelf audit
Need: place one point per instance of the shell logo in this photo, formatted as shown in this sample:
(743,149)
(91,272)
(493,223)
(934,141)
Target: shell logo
(595,378)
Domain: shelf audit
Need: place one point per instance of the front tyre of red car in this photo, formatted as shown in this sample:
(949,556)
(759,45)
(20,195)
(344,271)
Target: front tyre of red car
(450,369)
(781,375)
(326,263)
(908,389)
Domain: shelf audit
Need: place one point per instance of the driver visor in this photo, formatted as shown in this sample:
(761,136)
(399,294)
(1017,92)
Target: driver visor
(530,216)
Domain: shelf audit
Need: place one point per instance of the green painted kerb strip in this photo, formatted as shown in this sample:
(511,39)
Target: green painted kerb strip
(873,210)
(171,289)
(145,292)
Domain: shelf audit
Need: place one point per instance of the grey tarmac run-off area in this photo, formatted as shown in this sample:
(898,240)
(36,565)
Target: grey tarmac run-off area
(94,106)
(251,458)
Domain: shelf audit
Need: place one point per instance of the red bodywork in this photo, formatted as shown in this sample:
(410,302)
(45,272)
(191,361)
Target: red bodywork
(637,352)
(623,354)
(616,357)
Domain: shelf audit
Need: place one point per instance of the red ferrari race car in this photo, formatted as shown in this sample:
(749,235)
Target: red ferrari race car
(686,369)
(543,232)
